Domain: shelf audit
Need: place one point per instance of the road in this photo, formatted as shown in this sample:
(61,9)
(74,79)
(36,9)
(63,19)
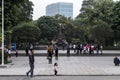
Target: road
(60,78)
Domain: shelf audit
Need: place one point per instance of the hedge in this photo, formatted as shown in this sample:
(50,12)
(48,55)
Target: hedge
(5,57)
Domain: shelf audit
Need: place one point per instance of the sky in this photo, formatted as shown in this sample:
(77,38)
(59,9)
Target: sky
(40,7)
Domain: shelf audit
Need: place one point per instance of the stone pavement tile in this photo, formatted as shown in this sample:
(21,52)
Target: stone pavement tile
(67,66)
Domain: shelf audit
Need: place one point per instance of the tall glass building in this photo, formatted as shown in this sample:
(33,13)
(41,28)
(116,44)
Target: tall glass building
(61,8)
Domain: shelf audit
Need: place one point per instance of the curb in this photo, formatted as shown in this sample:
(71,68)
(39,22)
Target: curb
(59,75)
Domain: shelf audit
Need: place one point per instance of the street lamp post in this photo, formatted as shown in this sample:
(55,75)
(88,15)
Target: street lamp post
(2,32)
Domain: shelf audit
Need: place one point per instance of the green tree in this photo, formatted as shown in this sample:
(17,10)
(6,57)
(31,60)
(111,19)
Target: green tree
(16,12)
(26,33)
(48,26)
(116,21)
(101,33)
(94,12)
(0,15)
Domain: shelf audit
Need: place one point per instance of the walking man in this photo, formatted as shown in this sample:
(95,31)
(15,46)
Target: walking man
(31,63)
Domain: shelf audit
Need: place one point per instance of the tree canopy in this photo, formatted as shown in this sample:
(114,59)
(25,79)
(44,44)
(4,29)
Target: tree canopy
(95,17)
(26,32)
(16,12)
(48,26)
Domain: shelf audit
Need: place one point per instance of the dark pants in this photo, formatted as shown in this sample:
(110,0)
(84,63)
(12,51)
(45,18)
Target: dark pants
(77,51)
(116,64)
(74,50)
(68,53)
(97,51)
(56,57)
(31,69)
(55,72)
(16,54)
(80,51)
(26,52)
(50,60)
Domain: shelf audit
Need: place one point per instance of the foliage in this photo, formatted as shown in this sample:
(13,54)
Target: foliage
(95,18)
(5,57)
(15,12)
(26,32)
(116,21)
(0,24)
(101,33)
(48,26)
(98,21)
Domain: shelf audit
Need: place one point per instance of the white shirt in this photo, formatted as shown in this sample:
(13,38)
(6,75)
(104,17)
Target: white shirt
(56,68)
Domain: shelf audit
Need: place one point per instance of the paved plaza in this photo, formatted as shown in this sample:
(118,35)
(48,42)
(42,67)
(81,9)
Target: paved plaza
(67,66)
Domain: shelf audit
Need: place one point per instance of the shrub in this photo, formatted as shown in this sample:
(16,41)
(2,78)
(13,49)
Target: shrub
(5,57)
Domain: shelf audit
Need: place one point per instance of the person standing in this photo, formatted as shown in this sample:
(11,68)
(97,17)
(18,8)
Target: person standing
(90,50)
(26,51)
(81,48)
(49,54)
(56,53)
(68,50)
(31,63)
(97,48)
(74,48)
(9,53)
(63,46)
(101,49)
(16,53)
(78,47)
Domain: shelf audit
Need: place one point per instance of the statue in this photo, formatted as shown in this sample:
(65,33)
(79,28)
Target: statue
(60,40)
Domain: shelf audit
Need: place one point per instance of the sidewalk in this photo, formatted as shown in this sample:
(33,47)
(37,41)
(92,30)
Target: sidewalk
(68,66)
(63,53)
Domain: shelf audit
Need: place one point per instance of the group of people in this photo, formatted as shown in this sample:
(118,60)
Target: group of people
(50,53)
(8,52)
(88,48)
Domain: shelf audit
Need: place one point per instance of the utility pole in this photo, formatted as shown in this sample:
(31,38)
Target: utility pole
(2,33)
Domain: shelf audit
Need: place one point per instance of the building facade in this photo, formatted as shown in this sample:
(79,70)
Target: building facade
(62,8)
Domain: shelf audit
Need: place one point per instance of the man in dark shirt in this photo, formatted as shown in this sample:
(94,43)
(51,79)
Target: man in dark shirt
(31,62)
